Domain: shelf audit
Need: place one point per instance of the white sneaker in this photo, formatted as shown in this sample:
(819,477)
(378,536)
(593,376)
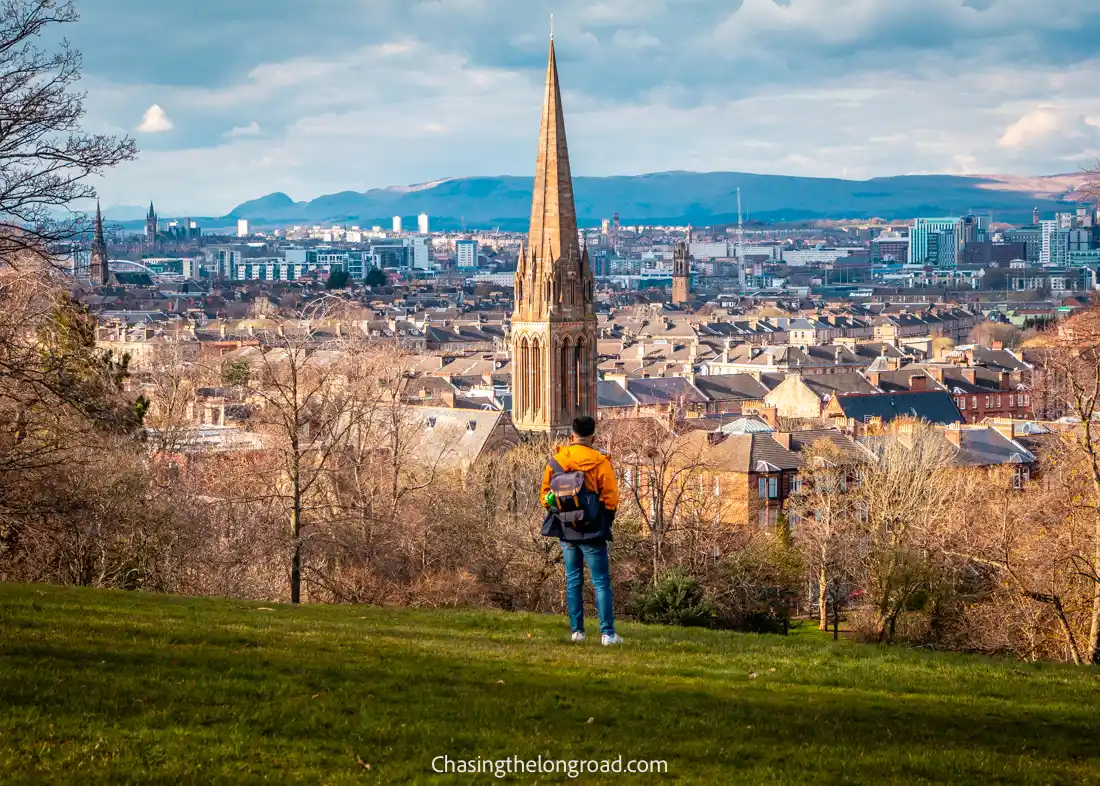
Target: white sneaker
(578,637)
(612,640)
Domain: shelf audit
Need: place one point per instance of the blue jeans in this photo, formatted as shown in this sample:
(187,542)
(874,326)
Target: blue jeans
(594,555)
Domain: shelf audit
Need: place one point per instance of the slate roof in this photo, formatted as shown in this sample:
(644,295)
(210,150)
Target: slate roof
(983,446)
(935,406)
(901,381)
(750,453)
(985,381)
(612,395)
(834,385)
(731,387)
(666,390)
(847,447)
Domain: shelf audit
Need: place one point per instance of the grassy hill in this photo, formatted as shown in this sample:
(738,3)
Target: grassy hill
(109,687)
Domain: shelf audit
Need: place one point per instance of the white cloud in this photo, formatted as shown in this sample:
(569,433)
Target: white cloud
(155,121)
(236,132)
(644,92)
(1036,126)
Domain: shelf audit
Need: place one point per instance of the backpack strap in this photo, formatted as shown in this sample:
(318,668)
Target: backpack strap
(555,467)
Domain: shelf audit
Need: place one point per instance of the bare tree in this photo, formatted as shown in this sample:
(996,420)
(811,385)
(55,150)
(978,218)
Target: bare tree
(659,476)
(1072,360)
(906,489)
(822,514)
(310,394)
(46,159)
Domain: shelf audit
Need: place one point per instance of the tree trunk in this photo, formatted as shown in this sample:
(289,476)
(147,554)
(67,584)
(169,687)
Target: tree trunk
(822,599)
(296,560)
(1094,624)
(296,534)
(1071,643)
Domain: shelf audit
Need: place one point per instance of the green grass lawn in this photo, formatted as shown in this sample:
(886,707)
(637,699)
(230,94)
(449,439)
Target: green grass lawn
(112,687)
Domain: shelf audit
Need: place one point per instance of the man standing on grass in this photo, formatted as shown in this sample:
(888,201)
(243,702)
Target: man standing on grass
(581,495)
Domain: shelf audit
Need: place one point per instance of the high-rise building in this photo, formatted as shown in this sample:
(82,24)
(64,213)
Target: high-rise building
(941,250)
(243,229)
(466,254)
(1035,215)
(1055,243)
(422,224)
(554,323)
(397,224)
(681,271)
(99,266)
(1031,238)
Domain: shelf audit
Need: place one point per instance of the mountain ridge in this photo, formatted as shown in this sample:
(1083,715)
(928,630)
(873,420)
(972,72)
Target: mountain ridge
(682,197)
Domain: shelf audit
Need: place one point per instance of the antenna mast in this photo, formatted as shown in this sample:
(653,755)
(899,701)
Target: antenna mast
(740,243)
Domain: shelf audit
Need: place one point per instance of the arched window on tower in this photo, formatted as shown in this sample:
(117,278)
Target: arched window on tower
(583,370)
(536,377)
(523,394)
(565,382)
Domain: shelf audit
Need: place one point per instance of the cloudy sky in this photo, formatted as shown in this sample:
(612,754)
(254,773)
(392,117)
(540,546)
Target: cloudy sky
(233,99)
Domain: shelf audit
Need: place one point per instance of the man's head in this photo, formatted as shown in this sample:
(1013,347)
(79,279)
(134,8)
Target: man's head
(584,428)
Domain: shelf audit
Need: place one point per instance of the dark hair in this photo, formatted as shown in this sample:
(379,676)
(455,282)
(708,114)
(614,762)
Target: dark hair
(584,426)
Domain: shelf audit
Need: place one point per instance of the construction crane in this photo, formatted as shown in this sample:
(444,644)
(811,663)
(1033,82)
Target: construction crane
(740,243)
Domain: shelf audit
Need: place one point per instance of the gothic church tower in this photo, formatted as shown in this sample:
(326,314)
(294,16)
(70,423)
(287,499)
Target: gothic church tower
(554,323)
(681,271)
(99,270)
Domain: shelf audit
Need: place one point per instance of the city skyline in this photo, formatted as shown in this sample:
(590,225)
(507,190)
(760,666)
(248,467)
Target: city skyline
(251,101)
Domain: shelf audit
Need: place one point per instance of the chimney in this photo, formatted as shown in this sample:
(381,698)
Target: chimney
(954,434)
(1005,426)
(448,398)
(783,438)
(918,382)
(874,377)
(970,375)
(1006,380)
(998,346)
(770,415)
(936,372)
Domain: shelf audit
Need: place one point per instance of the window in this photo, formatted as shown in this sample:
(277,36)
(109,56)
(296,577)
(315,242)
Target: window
(1021,476)
(1011,401)
(717,486)
(762,486)
(989,402)
(773,488)
(796,484)
(973,402)
(962,403)
(998,402)
(769,517)
(628,477)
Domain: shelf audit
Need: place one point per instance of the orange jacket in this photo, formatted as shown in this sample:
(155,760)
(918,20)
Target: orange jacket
(598,474)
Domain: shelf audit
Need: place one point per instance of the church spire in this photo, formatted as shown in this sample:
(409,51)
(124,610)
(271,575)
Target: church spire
(99,260)
(553,212)
(553,329)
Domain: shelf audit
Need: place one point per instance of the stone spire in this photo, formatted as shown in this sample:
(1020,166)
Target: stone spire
(99,261)
(553,213)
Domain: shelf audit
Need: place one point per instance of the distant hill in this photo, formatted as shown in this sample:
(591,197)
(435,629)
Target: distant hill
(679,197)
